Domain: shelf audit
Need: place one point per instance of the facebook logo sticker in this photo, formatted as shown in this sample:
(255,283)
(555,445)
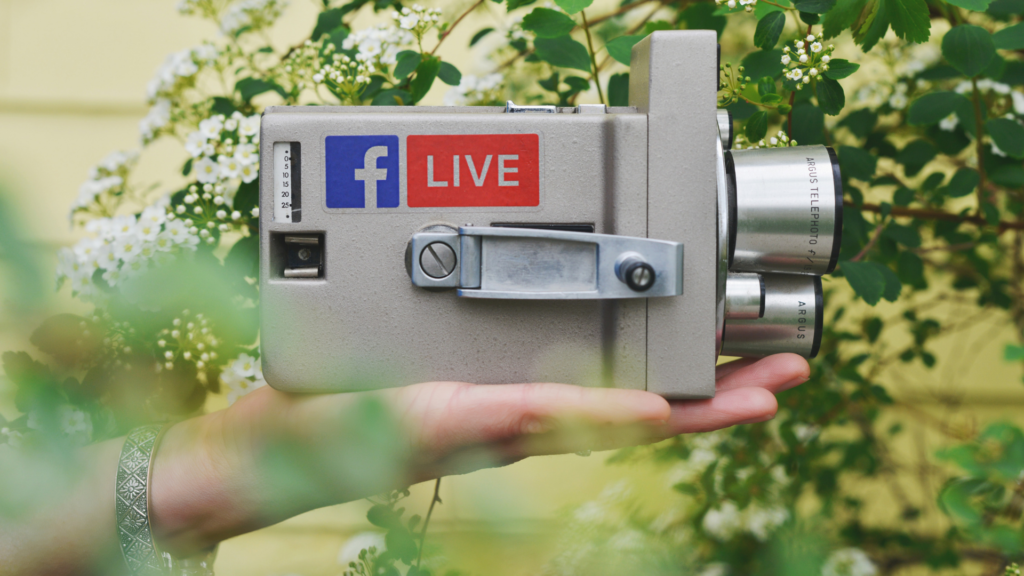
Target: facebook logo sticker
(362,172)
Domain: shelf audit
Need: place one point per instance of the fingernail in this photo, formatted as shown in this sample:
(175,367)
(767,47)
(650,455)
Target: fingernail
(793,383)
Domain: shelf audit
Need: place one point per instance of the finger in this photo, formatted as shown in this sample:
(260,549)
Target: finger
(447,415)
(728,408)
(723,370)
(775,373)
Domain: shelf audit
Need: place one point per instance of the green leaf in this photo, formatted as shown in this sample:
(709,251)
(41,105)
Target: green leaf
(991,213)
(975,5)
(563,51)
(872,24)
(392,97)
(573,6)
(769,28)
(956,499)
(840,18)
(513,4)
(893,286)
(963,183)
(905,235)
(831,97)
(247,197)
(399,541)
(1008,135)
(839,69)
(479,36)
(248,88)
(903,197)
(1011,176)
(1006,8)
(915,155)
(756,127)
(326,22)
(382,516)
(968,48)
(449,74)
(548,23)
(1013,353)
(808,124)
(701,16)
(426,72)
(618,90)
(865,279)
(407,61)
(765,86)
(187,168)
(911,270)
(860,122)
(762,63)
(909,19)
(621,48)
(857,163)
(771,99)
(814,6)
(933,107)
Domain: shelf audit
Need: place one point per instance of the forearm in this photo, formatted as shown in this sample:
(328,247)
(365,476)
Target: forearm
(66,525)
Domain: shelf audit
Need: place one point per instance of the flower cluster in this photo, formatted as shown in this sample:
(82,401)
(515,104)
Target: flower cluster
(849,562)
(123,248)
(189,339)
(476,91)
(727,520)
(343,75)
(179,70)
(378,45)
(225,149)
(242,376)
(107,182)
(780,140)
(747,5)
(73,422)
(733,84)
(251,16)
(417,19)
(807,59)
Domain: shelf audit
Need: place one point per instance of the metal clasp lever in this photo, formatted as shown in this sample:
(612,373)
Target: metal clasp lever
(543,264)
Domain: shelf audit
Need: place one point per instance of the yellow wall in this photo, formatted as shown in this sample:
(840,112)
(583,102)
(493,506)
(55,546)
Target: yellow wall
(72,82)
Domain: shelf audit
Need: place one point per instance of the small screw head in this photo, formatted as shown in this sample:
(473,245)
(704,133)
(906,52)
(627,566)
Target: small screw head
(437,260)
(640,276)
(304,254)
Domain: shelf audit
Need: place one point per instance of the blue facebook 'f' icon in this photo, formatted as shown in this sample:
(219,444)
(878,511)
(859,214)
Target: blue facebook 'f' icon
(362,171)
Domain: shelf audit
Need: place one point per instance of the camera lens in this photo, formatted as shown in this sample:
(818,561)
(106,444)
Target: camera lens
(791,321)
(786,210)
(744,296)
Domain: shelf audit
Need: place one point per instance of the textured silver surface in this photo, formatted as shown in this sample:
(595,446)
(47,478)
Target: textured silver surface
(743,297)
(791,314)
(785,210)
(674,81)
(131,494)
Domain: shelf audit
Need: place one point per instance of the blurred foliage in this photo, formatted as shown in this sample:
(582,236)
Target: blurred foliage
(930,144)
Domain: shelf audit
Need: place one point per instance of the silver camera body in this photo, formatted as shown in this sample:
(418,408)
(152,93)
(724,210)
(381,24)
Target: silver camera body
(600,246)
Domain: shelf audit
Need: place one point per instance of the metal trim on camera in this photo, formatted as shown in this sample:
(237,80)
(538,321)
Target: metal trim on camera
(792,320)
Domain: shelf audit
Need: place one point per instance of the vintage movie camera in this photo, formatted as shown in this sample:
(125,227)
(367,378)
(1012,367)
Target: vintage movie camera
(618,246)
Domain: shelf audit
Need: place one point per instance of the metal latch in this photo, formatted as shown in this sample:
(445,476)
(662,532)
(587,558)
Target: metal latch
(543,264)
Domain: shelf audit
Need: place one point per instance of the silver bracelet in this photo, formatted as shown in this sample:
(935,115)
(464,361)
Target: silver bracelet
(131,497)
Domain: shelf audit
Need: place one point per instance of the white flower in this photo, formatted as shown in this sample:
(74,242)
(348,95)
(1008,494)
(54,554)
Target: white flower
(256,212)
(786,59)
(158,117)
(177,231)
(106,258)
(247,154)
(473,91)
(949,123)
(761,522)
(127,247)
(229,166)
(1018,102)
(249,126)
(112,276)
(723,522)
(898,101)
(211,127)
(813,71)
(826,59)
(803,58)
(997,151)
(795,74)
(379,45)
(207,171)
(195,143)
(248,172)
(849,562)
(816,47)
(353,546)
(244,365)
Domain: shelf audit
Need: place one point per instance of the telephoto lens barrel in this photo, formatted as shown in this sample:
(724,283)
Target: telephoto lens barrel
(791,321)
(786,210)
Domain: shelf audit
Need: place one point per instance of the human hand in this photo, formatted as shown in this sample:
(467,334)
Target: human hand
(274,455)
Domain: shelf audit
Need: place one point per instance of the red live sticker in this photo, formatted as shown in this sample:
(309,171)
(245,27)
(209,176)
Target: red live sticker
(473,170)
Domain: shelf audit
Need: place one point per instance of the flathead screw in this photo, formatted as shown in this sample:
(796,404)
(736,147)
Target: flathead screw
(437,260)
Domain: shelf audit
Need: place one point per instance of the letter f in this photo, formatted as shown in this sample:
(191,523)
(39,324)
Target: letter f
(370,174)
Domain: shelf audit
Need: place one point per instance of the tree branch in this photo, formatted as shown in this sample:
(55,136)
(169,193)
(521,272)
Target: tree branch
(593,57)
(929,214)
